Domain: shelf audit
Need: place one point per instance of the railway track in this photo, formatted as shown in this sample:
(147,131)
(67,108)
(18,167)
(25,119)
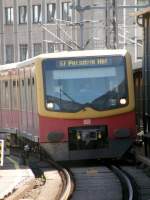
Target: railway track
(140,176)
(93,182)
(67,182)
(65,186)
(52,182)
(101,183)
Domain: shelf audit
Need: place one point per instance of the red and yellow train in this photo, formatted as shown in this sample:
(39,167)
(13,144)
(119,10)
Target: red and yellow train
(76,105)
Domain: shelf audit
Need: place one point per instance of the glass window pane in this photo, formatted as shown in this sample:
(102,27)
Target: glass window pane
(72,84)
(22,14)
(66,11)
(23,52)
(37,49)
(9,53)
(51,47)
(51,12)
(37,15)
(9,15)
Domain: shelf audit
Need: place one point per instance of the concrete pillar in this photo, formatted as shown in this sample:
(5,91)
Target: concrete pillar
(43,22)
(1,33)
(29,18)
(16,57)
(58,16)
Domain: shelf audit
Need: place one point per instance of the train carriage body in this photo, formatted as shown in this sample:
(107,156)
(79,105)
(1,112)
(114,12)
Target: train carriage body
(77,105)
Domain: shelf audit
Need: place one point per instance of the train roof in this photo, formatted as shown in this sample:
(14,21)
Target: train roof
(64,54)
(85,53)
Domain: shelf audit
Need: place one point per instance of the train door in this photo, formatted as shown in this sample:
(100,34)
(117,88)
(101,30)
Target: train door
(14,99)
(138,85)
(6,100)
(34,102)
(28,84)
(23,101)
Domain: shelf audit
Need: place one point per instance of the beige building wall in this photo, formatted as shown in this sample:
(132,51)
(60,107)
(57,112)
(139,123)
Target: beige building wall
(87,28)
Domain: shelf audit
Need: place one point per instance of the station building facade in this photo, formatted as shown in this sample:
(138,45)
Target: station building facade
(31,27)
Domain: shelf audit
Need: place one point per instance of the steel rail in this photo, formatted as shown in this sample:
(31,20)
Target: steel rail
(67,180)
(68,186)
(125,180)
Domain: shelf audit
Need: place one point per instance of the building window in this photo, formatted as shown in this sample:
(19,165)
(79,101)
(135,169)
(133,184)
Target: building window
(143,2)
(139,49)
(66,11)
(51,12)
(23,52)
(9,53)
(22,14)
(65,47)
(9,17)
(37,47)
(36,13)
(51,47)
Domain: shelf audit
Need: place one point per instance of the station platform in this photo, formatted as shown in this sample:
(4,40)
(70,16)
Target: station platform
(13,175)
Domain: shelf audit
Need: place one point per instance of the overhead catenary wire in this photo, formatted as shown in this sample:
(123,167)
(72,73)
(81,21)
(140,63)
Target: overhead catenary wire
(50,32)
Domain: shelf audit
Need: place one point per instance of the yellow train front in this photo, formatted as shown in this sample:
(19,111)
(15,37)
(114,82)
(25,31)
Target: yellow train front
(76,105)
(86,104)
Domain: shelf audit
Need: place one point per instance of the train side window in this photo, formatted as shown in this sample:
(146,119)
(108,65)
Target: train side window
(6,100)
(14,94)
(17,83)
(34,101)
(23,95)
(14,83)
(33,93)
(3,94)
(7,94)
(29,103)
(6,84)
(17,94)
(32,80)
(28,81)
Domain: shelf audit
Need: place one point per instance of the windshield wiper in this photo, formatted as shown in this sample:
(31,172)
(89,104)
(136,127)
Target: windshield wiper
(69,97)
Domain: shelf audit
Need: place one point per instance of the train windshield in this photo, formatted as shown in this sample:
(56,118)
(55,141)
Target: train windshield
(77,83)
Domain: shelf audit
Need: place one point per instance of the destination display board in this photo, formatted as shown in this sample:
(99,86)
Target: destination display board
(83,62)
(1,152)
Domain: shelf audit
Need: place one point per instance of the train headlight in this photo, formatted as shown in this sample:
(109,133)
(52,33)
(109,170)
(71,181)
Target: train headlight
(50,105)
(99,135)
(123,101)
(78,136)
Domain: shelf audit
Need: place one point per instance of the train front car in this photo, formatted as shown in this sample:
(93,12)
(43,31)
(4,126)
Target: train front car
(87,105)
